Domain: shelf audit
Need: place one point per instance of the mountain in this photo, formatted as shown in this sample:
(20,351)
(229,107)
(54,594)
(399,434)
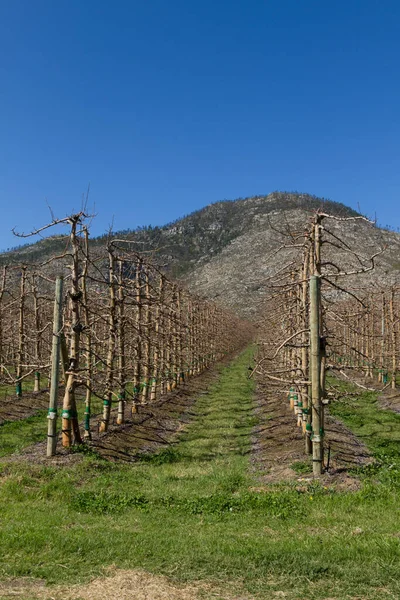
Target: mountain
(195,238)
(225,251)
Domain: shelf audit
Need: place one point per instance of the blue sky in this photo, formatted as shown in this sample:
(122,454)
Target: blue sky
(166,106)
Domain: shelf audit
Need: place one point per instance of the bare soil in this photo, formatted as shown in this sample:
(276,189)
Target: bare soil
(390,400)
(278,443)
(124,585)
(15,409)
(153,427)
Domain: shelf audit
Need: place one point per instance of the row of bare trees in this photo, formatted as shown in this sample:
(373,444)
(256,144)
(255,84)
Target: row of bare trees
(366,334)
(315,322)
(127,334)
(25,327)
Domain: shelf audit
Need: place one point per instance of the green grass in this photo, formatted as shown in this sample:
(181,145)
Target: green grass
(9,389)
(302,467)
(19,434)
(378,428)
(16,435)
(193,512)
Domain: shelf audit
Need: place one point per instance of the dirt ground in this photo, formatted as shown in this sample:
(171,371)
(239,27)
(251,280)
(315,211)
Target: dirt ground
(154,426)
(119,584)
(13,409)
(389,399)
(278,443)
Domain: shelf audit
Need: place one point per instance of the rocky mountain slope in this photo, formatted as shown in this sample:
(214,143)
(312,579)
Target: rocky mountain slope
(193,239)
(226,251)
(240,274)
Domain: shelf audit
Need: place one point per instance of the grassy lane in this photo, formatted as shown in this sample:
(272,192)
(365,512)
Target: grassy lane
(194,512)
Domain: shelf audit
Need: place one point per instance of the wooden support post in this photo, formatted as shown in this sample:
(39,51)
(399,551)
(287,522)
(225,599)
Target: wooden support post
(111,342)
(382,357)
(393,326)
(121,347)
(315,369)
(161,370)
(306,417)
(55,370)
(69,414)
(371,326)
(174,339)
(144,394)
(137,371)
(88,335)
(2,290)
(21,334)
(156,352)
(180,378)
(36,312)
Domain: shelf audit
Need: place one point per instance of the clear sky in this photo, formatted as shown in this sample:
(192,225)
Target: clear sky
(164,106)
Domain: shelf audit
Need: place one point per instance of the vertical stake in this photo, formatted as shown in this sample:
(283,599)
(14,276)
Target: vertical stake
(55,370)
(315,369)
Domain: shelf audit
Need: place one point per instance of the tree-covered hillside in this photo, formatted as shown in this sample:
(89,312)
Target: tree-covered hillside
(193,239)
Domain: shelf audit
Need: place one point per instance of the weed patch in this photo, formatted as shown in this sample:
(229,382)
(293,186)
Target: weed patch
(106,502)
(301,467)
(166,456)
(279,505)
